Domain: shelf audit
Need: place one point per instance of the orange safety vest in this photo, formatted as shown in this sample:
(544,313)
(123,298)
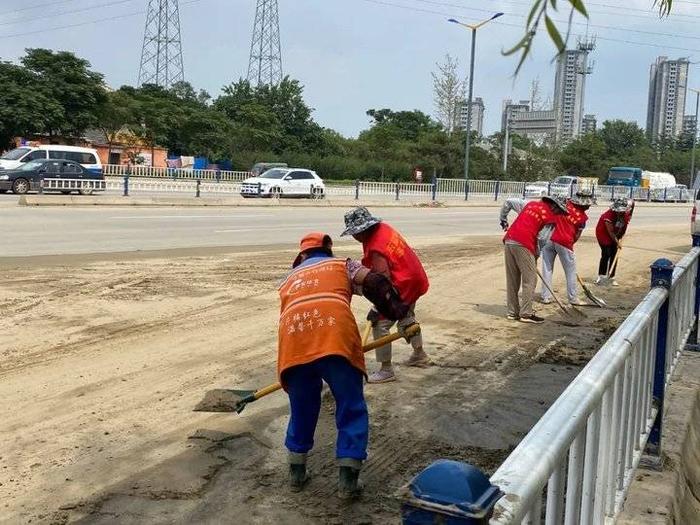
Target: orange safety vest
(315,317)
(407,273)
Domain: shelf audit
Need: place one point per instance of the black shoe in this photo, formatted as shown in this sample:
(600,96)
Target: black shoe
(297,477)
(348,483)
(531,319)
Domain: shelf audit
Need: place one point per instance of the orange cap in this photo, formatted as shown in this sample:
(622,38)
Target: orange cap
(311,241)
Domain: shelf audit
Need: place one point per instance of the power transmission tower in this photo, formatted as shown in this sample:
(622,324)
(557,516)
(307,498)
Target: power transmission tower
(265,66)
(161,55)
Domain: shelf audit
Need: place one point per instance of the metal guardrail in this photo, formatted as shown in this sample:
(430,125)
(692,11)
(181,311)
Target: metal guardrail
(121,170)
(577,463)
(585,449)
(170,180)
(84,185)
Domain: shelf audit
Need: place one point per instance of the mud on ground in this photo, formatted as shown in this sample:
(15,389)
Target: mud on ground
(102,361)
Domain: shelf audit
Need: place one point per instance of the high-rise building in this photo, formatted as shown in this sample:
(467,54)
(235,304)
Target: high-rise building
(510,108)
(570,88)
(477,116)
(589,124)
(667,91)
(690,125)
(539,126)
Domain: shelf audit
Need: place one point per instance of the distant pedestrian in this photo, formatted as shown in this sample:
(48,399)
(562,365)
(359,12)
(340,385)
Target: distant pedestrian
(520,255)
(566,233)
(610,230)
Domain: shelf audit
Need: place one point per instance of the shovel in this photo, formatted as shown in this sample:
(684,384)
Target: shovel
(614,263)
(226,400)
(572,312)
(586,290)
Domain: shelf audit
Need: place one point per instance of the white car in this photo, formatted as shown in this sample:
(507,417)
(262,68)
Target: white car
(284,182)
(536,190)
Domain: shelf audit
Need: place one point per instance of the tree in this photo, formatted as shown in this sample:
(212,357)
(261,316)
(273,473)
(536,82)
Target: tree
(621,138)
(24,110)
(541,9)
(448,94)
(586,157)
(113,115)
(66,79)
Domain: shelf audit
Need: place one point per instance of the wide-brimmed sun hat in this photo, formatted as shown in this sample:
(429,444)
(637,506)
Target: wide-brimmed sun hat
(583,198)
(620,206)
(558,201)
(359,220)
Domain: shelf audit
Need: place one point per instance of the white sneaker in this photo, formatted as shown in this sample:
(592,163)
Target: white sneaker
(600,279)
(613,282)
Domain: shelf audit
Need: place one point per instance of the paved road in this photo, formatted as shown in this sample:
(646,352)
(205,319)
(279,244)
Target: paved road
(56,231)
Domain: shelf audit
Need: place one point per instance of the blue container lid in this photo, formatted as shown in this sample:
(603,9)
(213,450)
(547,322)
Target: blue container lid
(458,485)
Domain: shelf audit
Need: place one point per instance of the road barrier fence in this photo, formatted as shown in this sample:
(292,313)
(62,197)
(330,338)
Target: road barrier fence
(128,180)
(579,460)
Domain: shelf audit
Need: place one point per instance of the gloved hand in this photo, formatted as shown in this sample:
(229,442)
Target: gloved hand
(373,317)
(403,327)
(504,225)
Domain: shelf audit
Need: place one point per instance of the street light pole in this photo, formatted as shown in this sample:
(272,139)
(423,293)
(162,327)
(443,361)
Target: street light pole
(469,111)
(506,143)
(695,140)
(472,28)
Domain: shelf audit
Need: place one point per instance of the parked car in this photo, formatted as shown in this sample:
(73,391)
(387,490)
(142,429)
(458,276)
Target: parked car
(86,157)
(261,167)
(284,182)
(536,190)
(30,175)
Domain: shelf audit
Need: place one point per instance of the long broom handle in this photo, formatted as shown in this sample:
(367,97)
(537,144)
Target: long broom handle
(617,256)
(411,331)
(549,289)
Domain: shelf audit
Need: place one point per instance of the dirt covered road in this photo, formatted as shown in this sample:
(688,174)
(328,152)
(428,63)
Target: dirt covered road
(103,358)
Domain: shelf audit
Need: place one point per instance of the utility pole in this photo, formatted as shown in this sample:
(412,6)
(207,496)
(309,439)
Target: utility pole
(506,144)
(265,64)
(695,139)
(473,29)
(161,54)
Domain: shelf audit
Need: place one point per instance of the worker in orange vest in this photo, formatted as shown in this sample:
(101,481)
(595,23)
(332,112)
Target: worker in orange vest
(319,341)
(386,252)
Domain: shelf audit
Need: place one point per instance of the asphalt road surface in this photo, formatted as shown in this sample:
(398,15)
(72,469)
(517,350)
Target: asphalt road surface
(29,231)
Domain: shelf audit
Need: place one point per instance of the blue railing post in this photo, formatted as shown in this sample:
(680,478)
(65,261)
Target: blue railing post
(524,187)
(199,184)
(466,190)
(259,189)
(434,186)
(549,189)
(631,194)
(126,182)
(694,336)
(665,193)
(498,189)
(218,175)
(661,276)
(41,185)
(357,189)
(397,191)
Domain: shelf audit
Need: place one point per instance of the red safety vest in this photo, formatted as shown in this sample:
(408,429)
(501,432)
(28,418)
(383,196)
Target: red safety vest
(528,223)
(315,318)
(568,225)
(407,273)
(619,222)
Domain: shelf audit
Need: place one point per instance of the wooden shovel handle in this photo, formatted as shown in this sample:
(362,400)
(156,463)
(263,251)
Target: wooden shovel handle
(411,331)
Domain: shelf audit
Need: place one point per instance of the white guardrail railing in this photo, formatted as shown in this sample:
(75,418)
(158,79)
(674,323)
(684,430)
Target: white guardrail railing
(197,182)
(577,463)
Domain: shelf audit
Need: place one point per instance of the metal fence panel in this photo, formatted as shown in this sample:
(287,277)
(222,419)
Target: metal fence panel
(596,431)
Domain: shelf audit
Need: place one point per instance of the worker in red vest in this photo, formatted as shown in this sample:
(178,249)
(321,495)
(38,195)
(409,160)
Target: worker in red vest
(610,230)
(386,252)
(521,251)
(319,341)
(566,233)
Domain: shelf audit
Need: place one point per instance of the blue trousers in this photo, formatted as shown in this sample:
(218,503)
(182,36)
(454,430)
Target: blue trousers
(304,383)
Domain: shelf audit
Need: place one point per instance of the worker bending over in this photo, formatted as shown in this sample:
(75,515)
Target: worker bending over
(521,248)
(319,341)
(387,253)
(610,230)
(567,231)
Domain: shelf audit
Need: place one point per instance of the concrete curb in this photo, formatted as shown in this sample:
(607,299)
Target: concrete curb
(105,200)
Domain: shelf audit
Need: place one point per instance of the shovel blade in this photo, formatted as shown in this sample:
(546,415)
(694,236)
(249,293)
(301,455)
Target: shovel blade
(224,400)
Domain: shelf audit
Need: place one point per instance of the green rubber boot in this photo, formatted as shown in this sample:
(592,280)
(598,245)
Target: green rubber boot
(298,477)
(349,487)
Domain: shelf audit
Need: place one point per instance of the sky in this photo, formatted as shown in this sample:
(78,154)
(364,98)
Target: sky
(354,55)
